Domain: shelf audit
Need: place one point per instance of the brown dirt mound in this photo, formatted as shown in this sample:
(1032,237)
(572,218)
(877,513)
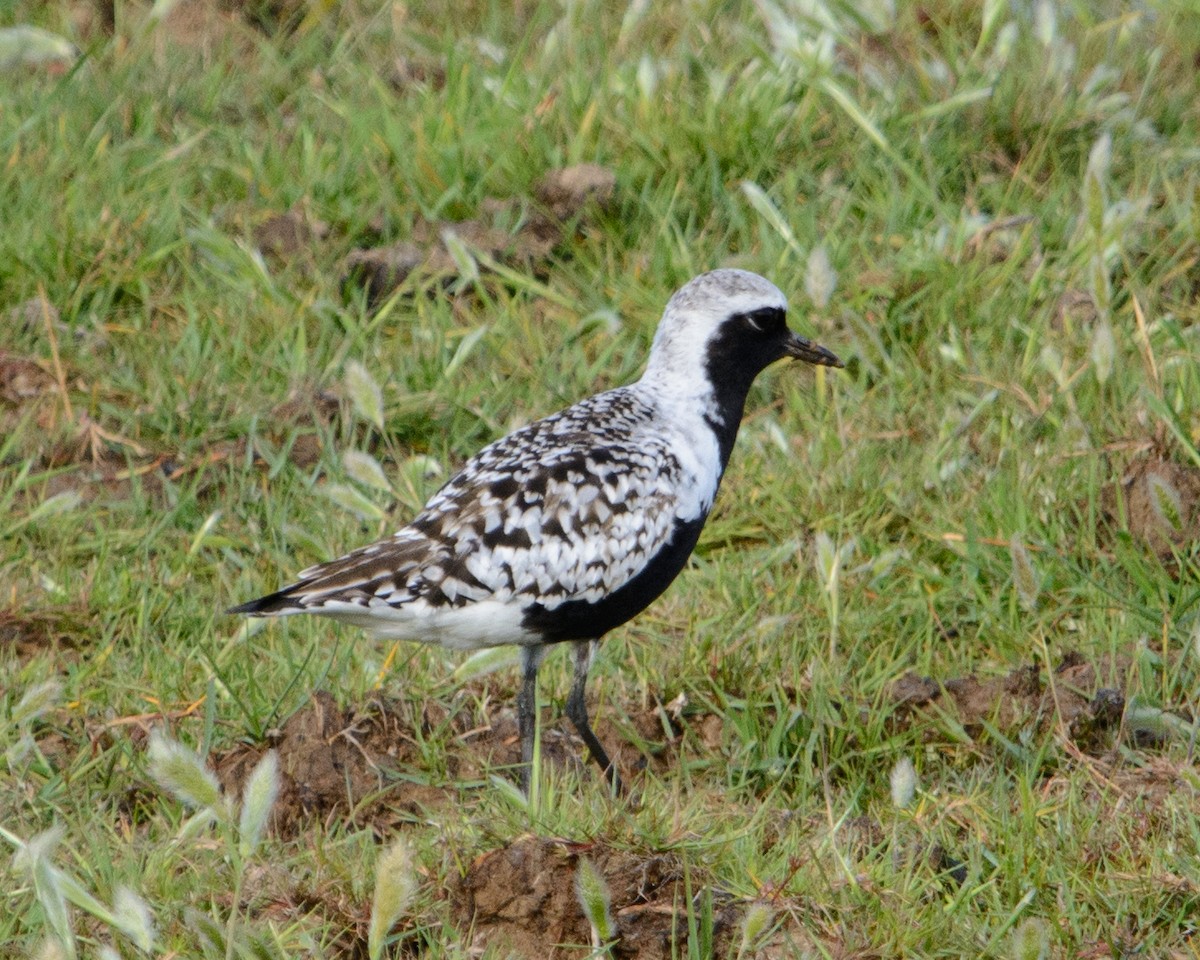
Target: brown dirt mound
(651,738)
(332,765)
(23,378)
(290,234)
(506,232)
(302,419)
(409,72)
(28,633)
(522,899)
(342,765)
(208,29)
(568,191)
(97,463)
(1090,714)
(1158,501)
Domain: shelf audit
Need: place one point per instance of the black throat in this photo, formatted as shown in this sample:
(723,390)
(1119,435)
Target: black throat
(731,365)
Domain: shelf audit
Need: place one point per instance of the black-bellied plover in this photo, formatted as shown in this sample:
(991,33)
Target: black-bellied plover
(570,526)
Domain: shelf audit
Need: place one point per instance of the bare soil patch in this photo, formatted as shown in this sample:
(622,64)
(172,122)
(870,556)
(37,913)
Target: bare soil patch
(28,633)
(1158,502)
(79,453)
(22,379)
(568,191)
(366,766)
(207,27)
(1071,697)
(301,422)
(86,459)
(641,739)
(510,232)
(333,765)
(522,899)
(95,463)
(290,234)
(416,72)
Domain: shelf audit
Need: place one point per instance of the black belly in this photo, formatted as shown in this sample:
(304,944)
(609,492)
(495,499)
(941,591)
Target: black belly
(584,620)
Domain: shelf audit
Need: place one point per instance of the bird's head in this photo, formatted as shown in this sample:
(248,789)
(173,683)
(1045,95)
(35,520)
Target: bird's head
(725,327)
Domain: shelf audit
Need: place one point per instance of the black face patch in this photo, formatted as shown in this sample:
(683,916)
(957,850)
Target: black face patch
(743,345)
(767,320)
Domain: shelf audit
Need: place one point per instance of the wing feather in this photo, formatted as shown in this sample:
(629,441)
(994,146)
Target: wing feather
(569,508)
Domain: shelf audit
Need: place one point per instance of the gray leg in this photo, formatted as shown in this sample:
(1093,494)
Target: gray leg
(577,711)
(531,657)
(527,709)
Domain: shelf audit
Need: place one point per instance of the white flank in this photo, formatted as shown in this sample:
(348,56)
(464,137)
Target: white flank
(486,623)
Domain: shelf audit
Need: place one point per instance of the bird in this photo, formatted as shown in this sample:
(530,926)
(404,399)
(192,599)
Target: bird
(573,524)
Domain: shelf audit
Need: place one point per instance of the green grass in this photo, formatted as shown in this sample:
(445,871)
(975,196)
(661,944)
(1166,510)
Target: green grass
(951,170)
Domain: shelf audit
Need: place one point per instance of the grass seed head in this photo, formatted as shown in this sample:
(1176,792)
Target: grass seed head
(395,883)
(820,278)
(182,773)
(262,787)
(1031,940)
(754,924)
(37,701)
(1026,579)
(596,901)
(904,782)
(1165,501)
(134,918)
(365,395)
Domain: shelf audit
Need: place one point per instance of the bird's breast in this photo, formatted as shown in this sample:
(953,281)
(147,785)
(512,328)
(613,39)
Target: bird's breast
(695,448)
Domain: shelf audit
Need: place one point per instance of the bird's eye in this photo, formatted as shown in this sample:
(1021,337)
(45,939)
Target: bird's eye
(765,320)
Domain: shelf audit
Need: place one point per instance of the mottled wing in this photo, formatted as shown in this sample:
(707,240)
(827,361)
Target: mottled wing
(576,524)
(390,571)
(568,508)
